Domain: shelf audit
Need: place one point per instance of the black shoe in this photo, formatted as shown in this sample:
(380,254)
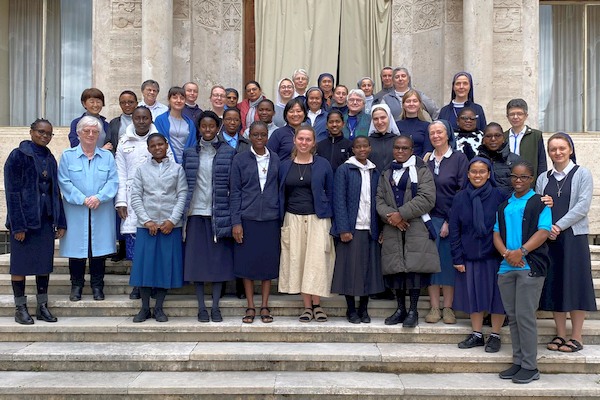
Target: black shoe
(75,293)
(43,314)
(215,315)
(153,293)
(396,318)
(143,315)
(493,344)
(241,295)
(160,316)
(98,293)
(22,315)
(509,373)
(135,293)
(364,316)
(352,317)
(203,316)
(526,375)
(471,341)
(411,320)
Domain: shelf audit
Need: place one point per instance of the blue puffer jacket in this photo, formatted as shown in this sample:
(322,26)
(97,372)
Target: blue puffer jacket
(346,199)
(221,216)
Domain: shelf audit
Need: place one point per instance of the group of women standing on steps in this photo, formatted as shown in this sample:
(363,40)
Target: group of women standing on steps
(373,209)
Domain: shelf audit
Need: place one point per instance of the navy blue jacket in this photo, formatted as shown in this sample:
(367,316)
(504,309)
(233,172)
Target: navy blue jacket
(335,149)
(221,217)
(463,242)
(247,200)
(320,125)
(447,113)
(282,142)
(321,185)
(346,198)
(21,180)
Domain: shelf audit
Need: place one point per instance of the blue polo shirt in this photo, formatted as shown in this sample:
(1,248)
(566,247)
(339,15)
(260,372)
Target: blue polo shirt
(513,215)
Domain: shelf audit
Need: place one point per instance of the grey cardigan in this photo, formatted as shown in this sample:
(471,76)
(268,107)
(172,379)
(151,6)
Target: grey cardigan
(582,188)
(158,195)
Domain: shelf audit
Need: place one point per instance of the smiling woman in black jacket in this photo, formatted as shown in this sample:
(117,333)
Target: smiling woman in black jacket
(336,148)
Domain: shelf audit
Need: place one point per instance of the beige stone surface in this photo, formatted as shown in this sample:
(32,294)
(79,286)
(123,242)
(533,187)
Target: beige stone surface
(333,383)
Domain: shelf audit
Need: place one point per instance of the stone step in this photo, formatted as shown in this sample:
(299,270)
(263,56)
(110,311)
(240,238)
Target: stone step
(236,385)
(282,329)
(119,305)
(278,356)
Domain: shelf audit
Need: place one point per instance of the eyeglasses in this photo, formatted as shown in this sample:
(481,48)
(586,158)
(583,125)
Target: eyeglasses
(402,148)
(478,171)
(288,87)
(465,118)
(516,114)
(351,100)
(90,131)
(218,96)
(521,178)
(44,133)
(493,136)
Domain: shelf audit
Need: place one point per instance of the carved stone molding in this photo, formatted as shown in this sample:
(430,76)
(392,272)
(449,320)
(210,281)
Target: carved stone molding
(207,14)
(232,15)
(427,15)
(181,9)
(127,14)
(402,17)
(507,19)
(454,12)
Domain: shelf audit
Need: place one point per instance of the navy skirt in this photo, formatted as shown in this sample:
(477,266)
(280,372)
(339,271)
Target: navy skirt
(257,257)
(357,266)
(157,260)
(476,289)
(447,275)
(205,260)
(568,285)
(35,254)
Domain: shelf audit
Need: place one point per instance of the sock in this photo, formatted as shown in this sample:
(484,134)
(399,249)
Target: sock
(400,299)
(350,304)
(200,295)
(145,295)
(216,294)
(42,283)
(496,335)
(414,298)
(161,293)
(478,334)
(18,288)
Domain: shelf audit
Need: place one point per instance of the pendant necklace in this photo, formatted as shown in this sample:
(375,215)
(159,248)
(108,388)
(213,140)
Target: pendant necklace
(302,172)
(559,187)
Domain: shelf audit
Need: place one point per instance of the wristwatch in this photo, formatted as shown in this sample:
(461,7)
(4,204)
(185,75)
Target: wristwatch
(524,251)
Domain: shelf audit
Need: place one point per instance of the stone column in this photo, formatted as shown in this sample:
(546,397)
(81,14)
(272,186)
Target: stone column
(157,43)
(478,43)
(531,51)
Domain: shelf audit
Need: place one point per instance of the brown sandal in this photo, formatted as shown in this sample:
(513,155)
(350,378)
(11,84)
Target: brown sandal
(306,316)
(555,343)
(320,315)
(249,318)
(266,318)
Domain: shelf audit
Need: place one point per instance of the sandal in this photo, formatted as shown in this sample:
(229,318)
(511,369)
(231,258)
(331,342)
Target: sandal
(320,315)
(306,316)
(266,318)
(555,343)
(572,348)
(249,318)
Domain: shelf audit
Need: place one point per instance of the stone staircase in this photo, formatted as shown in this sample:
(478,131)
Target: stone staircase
(95,351)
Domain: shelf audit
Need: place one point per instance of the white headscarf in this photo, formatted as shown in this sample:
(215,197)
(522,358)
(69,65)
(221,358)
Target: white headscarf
(392,127)
(278,96)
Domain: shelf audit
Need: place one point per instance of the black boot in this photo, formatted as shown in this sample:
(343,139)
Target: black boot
(21,313)
(135,293)
(98,293)
(411,320)
(120,254)
(400,314)
(75,293)
(362,310)
(42,313)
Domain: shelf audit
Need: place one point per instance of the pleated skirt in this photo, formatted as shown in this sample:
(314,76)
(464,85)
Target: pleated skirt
(257,257)
(476,289)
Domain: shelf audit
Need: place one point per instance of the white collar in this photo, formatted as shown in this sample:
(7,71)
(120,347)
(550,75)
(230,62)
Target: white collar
(266,155)
(447,154)
(565,171)
(511,132)
(353,161)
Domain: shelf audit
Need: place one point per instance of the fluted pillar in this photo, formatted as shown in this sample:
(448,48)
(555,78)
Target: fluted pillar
(157,43)
(478,45)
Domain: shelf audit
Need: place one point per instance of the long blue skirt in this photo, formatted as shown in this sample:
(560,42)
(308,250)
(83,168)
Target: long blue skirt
(157,260)
(476,289)
(257,257)
(205,260)
(447,275)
